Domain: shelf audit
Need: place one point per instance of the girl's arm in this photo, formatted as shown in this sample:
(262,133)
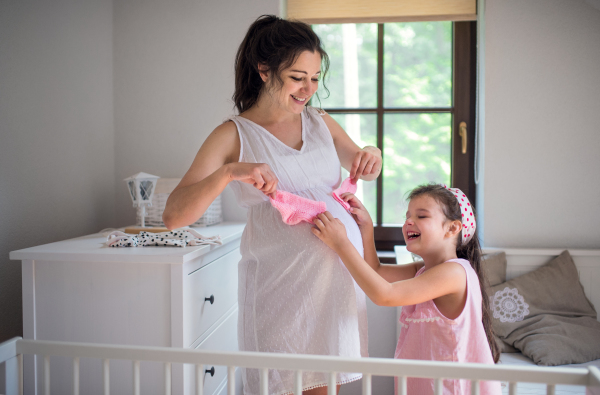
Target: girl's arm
(364,164)
(390,273)
(445,279)
(215,165)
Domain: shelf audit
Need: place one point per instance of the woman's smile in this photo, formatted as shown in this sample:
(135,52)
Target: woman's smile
(299,100)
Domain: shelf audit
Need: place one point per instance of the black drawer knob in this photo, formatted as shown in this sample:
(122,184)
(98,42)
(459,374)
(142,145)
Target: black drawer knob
(211,371)
(211,299)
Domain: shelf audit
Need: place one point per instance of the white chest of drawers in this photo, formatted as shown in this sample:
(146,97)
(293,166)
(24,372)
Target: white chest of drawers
(79,290)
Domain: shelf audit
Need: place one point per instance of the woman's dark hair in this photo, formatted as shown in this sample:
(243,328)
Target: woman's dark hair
(470,251)
(275,43)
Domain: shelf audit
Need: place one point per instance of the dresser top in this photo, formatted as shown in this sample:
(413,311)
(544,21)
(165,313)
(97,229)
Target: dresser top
(92,248)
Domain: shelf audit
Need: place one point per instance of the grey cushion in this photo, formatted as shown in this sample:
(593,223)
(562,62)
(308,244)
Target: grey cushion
(495,267)
(546,315)
(504,347)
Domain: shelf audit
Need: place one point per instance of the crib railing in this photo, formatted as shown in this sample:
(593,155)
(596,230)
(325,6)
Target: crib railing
(551,376)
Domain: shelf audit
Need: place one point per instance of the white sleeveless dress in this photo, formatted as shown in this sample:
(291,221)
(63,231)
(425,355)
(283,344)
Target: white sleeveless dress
(295,294)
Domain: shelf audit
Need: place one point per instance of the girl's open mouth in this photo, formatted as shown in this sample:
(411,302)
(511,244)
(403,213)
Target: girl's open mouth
(413,235)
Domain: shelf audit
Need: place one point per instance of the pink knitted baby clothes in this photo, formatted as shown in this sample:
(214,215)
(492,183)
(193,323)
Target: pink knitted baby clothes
(295,209)
(346,186)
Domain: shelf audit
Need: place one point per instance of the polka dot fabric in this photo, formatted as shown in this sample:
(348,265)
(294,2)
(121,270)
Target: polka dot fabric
(468,219)
(176,238)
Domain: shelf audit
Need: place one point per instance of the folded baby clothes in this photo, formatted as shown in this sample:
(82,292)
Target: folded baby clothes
(295,209)
(175,238)
(346,186)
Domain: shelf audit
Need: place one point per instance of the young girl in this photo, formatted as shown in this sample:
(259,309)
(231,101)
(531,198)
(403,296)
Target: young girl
(446,310)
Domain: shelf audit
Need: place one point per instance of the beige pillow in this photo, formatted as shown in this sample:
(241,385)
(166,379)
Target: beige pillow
(546,315)
(495,267)
(504,346)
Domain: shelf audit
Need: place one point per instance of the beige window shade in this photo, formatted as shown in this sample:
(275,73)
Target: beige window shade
(379,11)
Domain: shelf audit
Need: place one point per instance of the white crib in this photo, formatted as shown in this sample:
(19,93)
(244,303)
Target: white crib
(545,379)
(12,351)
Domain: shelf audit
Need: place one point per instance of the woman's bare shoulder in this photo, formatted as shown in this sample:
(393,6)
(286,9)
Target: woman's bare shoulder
(225,140)
(226,130)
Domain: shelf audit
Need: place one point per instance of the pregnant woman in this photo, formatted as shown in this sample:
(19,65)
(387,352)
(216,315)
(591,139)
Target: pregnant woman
(295,295)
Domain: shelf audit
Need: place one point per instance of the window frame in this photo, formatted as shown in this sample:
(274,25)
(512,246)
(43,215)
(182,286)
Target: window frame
(462,109)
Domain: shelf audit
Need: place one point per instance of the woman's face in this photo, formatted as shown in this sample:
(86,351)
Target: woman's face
(300,82)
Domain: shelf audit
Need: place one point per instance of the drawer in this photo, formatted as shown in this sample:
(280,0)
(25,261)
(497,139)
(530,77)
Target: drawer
(217,280)
(223,338)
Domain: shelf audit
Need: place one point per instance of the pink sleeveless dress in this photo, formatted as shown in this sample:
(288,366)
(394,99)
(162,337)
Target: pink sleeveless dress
(294,293)
(428,335)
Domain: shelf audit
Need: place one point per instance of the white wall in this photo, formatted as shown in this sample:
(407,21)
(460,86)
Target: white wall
(174,79)
(56,131)
(542,124)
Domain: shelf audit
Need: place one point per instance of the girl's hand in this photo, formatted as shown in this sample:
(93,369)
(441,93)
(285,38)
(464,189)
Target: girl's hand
(331,231)
(259,175)
(358,210)
(366,161)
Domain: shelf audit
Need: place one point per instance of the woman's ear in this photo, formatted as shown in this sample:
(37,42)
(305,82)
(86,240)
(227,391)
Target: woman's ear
(263,71)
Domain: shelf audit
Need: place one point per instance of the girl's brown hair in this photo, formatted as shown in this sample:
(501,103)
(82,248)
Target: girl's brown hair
(275,43)
(470,251)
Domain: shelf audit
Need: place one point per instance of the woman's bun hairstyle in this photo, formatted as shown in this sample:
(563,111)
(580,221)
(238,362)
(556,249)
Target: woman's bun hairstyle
(274,43)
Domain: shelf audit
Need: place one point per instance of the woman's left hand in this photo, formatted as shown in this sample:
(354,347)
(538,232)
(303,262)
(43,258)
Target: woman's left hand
(366,161)
(330,231)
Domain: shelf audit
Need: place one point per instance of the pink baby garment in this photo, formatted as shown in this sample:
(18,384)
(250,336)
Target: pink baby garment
(347,186)
(295,209)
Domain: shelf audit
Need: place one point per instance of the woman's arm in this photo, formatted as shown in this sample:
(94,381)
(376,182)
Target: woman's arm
(215,165)
(445,279)
(362,163)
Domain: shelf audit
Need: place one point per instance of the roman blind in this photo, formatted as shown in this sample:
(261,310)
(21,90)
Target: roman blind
(380,11)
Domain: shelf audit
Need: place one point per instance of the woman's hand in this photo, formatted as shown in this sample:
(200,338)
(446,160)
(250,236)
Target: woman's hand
(366,161)
(331,231)
(358,210)
(259,175)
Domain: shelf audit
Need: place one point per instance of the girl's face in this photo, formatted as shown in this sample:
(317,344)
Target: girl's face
(426,229)
(300,82)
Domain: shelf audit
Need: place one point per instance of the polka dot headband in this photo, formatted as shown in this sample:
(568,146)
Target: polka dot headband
(466,210)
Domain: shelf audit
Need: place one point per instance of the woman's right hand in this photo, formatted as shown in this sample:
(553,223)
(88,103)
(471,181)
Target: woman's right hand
(358,210)
(259,175)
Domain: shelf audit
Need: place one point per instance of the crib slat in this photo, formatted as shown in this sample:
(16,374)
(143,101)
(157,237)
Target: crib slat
(199,379)
(298,383)
(106,374)
(475,387)
(366,387)
(439,387)
(167,378)
(402,385)
(264,382)
(512,389)
(75,376)
(47,375)
(550,389)
(20,367)
(331,388)
(136,377)
(230,380)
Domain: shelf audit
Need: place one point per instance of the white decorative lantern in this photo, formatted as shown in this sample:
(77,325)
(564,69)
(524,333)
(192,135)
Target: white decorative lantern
(141,188)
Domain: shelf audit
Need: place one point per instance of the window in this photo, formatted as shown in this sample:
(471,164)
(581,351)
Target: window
(405,88)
